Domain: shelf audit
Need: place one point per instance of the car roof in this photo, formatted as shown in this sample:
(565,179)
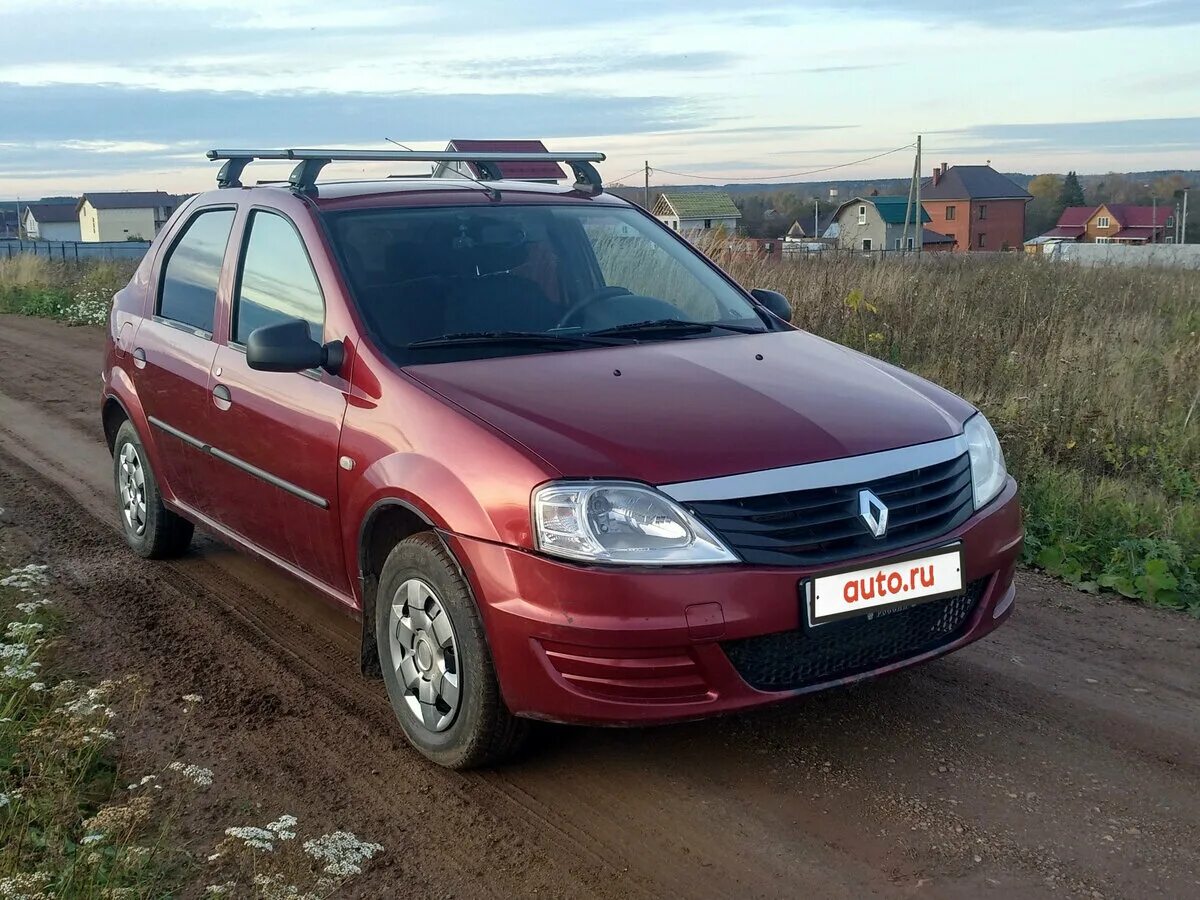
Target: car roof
(337,195)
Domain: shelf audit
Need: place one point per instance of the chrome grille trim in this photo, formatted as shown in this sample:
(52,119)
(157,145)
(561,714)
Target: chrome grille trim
(828,473)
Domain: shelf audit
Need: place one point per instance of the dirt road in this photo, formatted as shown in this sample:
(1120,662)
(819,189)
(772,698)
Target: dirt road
(1058,757)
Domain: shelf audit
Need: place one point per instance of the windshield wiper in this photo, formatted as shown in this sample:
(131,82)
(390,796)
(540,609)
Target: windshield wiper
(672,326)
(474,338)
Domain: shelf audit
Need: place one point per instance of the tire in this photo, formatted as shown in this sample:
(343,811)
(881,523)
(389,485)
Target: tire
(463,722)
(150,529)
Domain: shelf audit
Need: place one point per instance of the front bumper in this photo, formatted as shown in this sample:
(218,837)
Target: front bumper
(616,646)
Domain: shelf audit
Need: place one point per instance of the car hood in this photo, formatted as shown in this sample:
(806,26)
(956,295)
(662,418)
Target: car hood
(683,410)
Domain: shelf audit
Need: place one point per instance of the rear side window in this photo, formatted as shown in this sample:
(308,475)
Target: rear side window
(277,282)
(191,273)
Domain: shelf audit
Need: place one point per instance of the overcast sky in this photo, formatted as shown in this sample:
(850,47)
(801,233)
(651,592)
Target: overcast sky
(129,93)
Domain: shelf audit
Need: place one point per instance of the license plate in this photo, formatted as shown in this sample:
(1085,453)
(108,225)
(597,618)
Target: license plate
(891,584)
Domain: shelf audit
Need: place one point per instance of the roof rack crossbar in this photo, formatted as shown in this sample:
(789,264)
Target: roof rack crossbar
(304,176)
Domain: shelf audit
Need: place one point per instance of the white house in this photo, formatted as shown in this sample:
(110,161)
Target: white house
(123,215)
(686,211)
(50,222)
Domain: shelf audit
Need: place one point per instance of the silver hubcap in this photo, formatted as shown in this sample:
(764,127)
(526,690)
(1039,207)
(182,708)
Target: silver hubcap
(425,654)
(131,479)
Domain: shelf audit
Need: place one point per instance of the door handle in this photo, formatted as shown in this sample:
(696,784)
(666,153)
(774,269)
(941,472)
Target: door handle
(139,357)
(222,399)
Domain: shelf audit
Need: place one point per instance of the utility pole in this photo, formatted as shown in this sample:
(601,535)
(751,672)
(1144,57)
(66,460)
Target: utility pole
(816,217)
(646,193)
(1183,234)
(917,186)
(1153,219)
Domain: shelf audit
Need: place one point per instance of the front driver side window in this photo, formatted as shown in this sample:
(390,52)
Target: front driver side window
(277,282)
(192,271)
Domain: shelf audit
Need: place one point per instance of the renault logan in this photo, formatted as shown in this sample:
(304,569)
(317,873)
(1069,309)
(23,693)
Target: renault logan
(560,464)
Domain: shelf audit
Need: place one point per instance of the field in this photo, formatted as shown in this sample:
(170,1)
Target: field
(1090,376)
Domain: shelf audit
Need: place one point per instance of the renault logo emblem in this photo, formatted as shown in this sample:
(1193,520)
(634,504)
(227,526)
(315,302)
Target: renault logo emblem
(873,513)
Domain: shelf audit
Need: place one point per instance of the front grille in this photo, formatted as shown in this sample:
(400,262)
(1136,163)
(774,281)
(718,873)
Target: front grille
(790,660)
(821,526)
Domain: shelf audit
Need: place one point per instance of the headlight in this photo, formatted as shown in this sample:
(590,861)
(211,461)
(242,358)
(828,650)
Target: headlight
(620,523)
(987,459)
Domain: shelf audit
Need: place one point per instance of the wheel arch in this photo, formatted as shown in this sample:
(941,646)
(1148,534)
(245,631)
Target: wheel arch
(112,414)
(389,521)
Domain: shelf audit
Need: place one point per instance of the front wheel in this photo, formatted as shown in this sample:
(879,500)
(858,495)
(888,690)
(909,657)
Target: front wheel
(152,530)
(435,660)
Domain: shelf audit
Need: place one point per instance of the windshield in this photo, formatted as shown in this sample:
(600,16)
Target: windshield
(468,282)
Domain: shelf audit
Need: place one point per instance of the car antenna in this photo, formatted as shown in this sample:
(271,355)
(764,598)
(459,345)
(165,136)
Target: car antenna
(492,192)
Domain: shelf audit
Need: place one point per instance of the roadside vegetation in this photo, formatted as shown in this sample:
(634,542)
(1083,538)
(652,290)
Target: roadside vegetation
(79,293)
(80,820)
(1091,376)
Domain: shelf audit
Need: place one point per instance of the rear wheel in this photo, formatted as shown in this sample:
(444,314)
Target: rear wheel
(152,530)
(435,660)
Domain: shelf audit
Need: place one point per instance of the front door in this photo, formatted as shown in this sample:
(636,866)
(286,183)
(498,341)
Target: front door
(277,434)
(174,351)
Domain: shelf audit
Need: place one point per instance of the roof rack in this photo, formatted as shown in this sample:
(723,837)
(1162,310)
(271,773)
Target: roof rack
(310,163)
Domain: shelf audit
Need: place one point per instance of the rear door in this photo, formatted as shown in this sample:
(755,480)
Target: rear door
(174,350)
(277,433)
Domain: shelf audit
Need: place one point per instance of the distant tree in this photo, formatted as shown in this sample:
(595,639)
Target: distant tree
(1072,192)
(1042,212)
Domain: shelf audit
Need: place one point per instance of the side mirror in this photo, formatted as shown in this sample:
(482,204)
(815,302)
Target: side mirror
(774,302)
(288,347)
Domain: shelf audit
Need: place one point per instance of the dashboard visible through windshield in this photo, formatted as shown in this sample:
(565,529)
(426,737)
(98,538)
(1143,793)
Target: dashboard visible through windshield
(455,283)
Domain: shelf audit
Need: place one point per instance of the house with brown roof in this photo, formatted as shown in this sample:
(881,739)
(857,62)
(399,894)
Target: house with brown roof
(123,215)
(976,206)
(50,221)
(549,172)
(1113,223)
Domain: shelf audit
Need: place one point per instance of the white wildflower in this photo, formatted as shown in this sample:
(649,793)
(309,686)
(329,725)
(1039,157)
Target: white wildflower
(23,631)
(213,857)
(284,827)
(29,607)
(21,671)
(219,890)
(27,886)
(19,650)
(146,779)
(194,774)
(192,698)
(38,686)
(341,852)
(93,838)
(252,837)
(4,801)
(26,578)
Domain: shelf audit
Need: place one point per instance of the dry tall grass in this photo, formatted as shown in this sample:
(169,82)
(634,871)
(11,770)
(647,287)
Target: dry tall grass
(1090,375)
(1095,369)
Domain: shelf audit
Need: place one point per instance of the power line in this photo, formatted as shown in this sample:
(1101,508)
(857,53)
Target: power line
(637,171)
(791,174)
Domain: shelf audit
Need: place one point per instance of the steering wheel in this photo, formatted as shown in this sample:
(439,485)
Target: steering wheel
(605,293)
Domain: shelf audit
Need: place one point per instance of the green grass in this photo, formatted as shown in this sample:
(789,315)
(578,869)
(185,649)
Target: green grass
(78,293)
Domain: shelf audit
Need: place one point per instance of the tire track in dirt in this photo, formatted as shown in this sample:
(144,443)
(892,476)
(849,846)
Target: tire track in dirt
(1060,756)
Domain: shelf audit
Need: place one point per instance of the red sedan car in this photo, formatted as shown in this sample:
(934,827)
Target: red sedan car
(561,465)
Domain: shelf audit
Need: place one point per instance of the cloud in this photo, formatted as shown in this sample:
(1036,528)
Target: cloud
(1063,15)
(598,64)
(71,128)
(1144,135)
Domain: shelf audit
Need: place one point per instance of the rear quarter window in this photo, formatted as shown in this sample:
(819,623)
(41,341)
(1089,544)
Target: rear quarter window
(188,292)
